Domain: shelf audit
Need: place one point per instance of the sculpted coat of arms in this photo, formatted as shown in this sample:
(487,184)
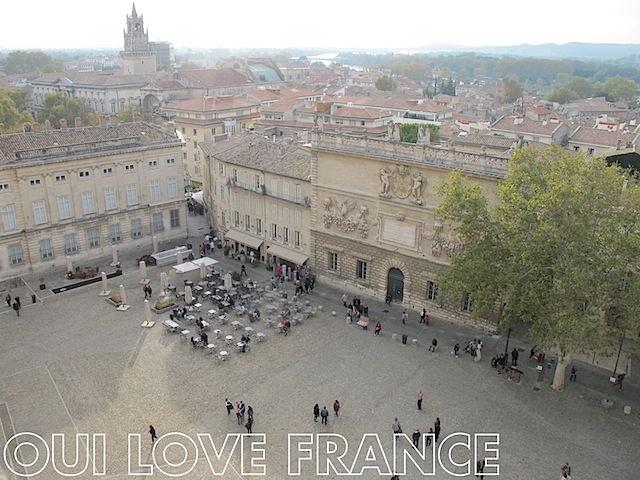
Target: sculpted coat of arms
(402,183)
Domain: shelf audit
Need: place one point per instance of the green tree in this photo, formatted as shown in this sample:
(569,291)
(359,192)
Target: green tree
(512,90)
(563,95)
(620,88)
(126,115)
(57,106)
(9,113)
(22,62)
(557,248)
(385,83)
(580,85)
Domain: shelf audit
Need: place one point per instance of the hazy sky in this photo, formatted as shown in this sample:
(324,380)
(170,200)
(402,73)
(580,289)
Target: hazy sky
(327,24)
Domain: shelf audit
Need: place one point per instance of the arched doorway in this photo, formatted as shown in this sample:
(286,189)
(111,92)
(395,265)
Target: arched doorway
(395,284)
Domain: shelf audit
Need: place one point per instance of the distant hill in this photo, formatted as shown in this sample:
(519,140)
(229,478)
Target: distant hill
(592,51)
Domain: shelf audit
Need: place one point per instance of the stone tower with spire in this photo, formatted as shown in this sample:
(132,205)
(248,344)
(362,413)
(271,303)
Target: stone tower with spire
(138,56)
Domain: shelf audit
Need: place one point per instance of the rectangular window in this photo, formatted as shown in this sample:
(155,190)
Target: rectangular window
(221,168)
(274,186)
(432,291)
(259,226)
(39,212)
(174,218)
(84,174)
(154,190)
(247,203)
(223,219)
(131,167)
(298,193)
(88,205)
(172,187)
(107,171)
(4,186)
(8,218)
(153,163)
(247,222)
(259,182)
(274,211)
(333,261)
(361,270)
(132,194)
(222,194)
(274,231)
(285,189)
(35,182)
(15,254)
(46,249)
(61,178)
(110,202)
(70,244)
(297,239)
(171,161)
(64,207)
(466,303)
(157,222)
(285,214)
(297,218)
(115,232)
(259,206)
(93,237)
(136,228)
(286,235)
(236,219)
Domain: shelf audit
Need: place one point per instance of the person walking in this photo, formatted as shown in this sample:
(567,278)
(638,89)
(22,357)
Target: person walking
(434,344)
(574,371)
(430,436)
(420,397)
(416,437)
(229,405)
(250,413)
(249,424)
(533,352)
(316,412)
(514,357)
(238,414)
(456,349)
(344,299)
(436,429)
(336,407)
(324,413)
(395,426)
(243,271)
(242,411)
(405,317)
(16,307)
(423,314)
(377,329)
(18,302)
(152,432)
(8,299)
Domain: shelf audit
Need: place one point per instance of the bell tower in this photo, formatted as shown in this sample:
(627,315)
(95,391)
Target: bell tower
(137,57)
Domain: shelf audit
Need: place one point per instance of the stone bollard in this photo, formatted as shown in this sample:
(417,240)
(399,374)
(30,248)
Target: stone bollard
(333,313)
(319,308)
(348,320)
(627,409)
(414,342)
(394,337)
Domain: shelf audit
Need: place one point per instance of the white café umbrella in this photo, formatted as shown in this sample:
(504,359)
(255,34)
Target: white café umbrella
(155,244)
(143,270)
(69,264)
(114,254)
(203,270)
(228,285)
(147,311)
(123,295)
(179,259)
(164,282)
(104,281)
(188,295)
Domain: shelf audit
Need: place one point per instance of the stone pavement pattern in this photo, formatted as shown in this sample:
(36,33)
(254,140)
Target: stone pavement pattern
(72,363)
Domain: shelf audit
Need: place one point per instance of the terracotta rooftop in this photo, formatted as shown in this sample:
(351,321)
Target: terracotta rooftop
(215,77)
(69,142)
(604,138)
(364,113)
(210,104)
(393,103)
(254,151)
(100,78)
(536,127)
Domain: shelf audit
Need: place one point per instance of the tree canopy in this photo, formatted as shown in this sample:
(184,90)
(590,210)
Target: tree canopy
(385,83)
(559,248)
(57,106)
(512,90)
(23,62)
(13,109)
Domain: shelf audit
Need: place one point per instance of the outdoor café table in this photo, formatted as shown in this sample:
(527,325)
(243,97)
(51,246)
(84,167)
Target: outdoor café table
(207,294)
(245,296)
(236,324)
(171,325)
(248,330)
(185,333)
(197,289)
(171,288)
(217,332)
(217,298)
(197,307)
(212,313)
(205,324)
(261,336)
(222,319)
(241,345)
(225,304)
(180,294)
(190,318)
(270,307)
(223,354)
(228,339)
(211,347)
(188,282)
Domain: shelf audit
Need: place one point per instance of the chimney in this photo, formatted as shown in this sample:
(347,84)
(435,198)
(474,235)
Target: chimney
(77,122)
(47,125)
(137,116)
(619,145)
(26,127)
(518,120)
(63,123)
(36,128)
(1,128)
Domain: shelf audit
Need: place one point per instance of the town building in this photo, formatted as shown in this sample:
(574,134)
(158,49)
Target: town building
(258,197)
(138,56)
(77,191)
(524,129)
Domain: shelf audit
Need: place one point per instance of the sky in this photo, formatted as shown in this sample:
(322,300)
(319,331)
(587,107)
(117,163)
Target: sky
(324,24)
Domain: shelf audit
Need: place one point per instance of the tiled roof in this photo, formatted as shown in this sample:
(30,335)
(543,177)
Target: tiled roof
(282,105)
(355,112)
(254,151)
(210,104)
(604,138)
(215,77)
(535,127)
(393,103)
(59,143)
(100,78)
(493,141)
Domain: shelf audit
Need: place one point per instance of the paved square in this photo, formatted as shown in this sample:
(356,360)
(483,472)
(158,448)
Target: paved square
(73,364)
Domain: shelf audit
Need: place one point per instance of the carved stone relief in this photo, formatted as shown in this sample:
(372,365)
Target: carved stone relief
(341,214)
(402,183)
(441,244)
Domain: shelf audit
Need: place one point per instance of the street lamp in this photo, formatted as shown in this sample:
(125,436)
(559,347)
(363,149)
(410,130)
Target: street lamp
(615,368)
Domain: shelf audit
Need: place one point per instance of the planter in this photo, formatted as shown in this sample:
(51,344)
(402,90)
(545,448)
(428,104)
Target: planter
(164,309)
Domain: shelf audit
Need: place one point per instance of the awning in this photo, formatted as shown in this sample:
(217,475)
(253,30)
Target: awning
(286,254)
(243,238)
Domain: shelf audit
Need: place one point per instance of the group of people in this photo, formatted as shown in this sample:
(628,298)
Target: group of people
(240,413)
(474,348)
(324,413)
(146,288)
(16,305)
(203,342)
(432,436)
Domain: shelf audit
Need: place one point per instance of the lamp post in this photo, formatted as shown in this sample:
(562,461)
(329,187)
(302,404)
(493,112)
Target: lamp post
(615,368)
(506,350)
